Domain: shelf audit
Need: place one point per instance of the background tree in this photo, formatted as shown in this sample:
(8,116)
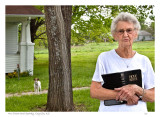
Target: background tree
(38,30)
(58,26)
(35,24)
(92,23)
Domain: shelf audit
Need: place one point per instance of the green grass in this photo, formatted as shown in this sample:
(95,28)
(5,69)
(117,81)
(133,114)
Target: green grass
(83,65)
(25,103)
(83,60)
(82,102)
(34,102)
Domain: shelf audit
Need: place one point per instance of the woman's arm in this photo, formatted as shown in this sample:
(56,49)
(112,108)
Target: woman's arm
(98,92)
(148,95)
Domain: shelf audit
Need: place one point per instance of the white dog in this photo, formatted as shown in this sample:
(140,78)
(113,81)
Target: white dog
(37,85)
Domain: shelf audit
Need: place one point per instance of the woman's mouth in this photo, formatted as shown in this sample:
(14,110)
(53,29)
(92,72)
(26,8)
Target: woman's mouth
(126,40)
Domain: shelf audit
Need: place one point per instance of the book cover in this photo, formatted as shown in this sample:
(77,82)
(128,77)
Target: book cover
(119,79)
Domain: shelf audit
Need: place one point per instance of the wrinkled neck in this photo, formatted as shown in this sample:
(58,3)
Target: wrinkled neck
(126,52)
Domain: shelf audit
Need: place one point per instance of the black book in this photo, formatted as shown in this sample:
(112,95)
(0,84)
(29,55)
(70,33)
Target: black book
(119,79)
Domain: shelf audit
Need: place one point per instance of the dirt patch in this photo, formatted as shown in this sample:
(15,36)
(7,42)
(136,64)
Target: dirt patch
(39,108)
(77,108)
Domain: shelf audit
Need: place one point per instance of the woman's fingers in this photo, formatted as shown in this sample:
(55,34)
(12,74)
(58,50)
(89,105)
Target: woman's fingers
(122,95)
(125,92)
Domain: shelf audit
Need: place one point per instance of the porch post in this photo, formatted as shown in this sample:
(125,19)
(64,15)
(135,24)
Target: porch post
(26,48)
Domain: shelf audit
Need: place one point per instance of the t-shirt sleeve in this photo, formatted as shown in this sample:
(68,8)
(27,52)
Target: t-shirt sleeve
(98,71)
(149,76)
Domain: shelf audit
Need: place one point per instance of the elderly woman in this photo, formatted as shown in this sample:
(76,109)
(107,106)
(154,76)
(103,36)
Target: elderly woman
(124,29)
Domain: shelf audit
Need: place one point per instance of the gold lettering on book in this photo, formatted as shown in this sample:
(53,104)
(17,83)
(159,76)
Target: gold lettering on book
(133,77)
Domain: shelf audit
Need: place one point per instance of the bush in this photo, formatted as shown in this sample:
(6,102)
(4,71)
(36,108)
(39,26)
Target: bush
(15,74)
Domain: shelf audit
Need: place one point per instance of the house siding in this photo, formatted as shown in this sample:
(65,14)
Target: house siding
(11,62)
(144,38)
(11,38)
(12,58)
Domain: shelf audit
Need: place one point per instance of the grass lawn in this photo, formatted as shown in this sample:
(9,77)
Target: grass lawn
(35,102)
(83,60)
(81,98)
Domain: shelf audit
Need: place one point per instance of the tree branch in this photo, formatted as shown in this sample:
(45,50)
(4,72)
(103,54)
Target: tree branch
(41,38)
(40,34)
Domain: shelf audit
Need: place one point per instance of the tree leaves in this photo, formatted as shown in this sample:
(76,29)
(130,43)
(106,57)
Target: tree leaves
(93,22)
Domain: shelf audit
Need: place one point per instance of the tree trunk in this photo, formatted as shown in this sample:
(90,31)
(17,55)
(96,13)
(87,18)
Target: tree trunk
(58,24)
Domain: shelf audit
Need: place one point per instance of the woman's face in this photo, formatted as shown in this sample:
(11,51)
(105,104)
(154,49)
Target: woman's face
(125,33)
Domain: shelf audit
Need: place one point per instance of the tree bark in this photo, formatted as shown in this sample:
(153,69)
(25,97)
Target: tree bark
(58,25)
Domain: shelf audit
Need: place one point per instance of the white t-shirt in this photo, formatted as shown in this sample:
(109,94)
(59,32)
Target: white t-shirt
(110,62)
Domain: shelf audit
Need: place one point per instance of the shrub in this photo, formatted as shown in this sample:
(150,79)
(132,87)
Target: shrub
(25,73)
(15,74)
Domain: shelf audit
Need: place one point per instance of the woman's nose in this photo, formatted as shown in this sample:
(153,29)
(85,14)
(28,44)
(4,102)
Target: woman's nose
(125,33)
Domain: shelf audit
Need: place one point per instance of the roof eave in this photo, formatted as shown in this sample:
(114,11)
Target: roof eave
(22,15)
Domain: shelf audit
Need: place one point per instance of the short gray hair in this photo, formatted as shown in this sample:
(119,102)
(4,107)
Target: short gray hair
(124,16)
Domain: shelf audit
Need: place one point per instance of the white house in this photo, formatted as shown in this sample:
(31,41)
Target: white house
(144,36)
(19,52)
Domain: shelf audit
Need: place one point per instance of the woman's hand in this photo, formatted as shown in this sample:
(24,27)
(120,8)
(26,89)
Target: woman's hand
(133,100)
(126,92)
